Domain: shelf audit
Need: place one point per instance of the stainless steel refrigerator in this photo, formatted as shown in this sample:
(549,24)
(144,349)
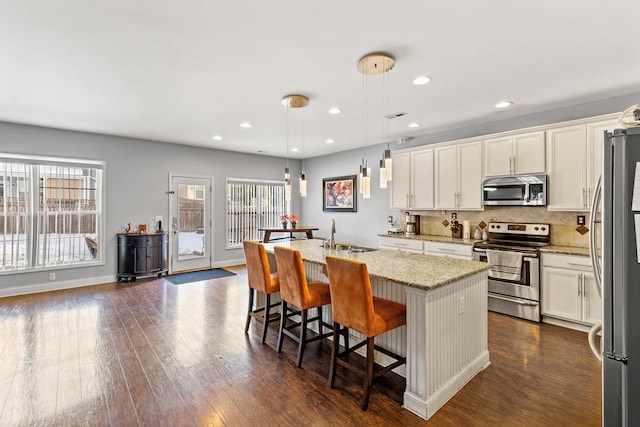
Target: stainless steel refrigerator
(620,278)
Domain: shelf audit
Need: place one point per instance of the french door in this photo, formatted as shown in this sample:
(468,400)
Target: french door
(190,224)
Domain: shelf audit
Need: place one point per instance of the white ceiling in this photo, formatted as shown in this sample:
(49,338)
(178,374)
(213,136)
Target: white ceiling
(184,71)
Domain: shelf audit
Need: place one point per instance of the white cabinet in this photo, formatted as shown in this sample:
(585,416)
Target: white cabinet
(400,244)
(449,250)
(412,180)
(574,160)
(515,154)
(458,176)
(569,290)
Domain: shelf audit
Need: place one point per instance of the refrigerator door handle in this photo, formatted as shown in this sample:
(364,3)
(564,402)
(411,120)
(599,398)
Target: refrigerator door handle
(593,250)
(595,342)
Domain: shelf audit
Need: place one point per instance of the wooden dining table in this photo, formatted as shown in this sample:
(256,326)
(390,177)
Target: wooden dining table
(299,229)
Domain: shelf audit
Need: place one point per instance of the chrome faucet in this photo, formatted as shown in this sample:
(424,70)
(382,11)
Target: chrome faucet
(332,239)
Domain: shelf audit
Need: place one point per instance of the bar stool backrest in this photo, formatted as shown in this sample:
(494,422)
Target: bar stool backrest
(258,271)
(351,297)
(293,281)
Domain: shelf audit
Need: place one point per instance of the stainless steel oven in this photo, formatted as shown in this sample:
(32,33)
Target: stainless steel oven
(514,284)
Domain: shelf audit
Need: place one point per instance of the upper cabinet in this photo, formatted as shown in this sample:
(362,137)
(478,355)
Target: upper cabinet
(412,179)
(574,163)
(515,154)
(458,176)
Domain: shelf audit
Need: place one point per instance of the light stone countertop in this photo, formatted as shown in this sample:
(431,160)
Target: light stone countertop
(432,238)
(567,250)
(414,270)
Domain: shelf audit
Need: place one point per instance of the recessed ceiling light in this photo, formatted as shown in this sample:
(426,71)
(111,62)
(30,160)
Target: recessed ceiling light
(414,125)
(245,125)
(504,104)
(329,141)
(335,110)
(422,80)
(294,149)
(217,138)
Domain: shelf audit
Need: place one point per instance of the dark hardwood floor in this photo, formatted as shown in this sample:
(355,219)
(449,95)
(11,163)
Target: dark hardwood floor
(153,353)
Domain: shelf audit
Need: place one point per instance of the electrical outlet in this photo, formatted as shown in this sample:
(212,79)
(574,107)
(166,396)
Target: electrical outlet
(52,276)
(581,219)
(461,305)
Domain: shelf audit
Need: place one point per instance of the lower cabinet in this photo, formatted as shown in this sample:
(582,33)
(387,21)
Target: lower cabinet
(449,250)
(400,244)
(427,247)
(569,290)
(142,255)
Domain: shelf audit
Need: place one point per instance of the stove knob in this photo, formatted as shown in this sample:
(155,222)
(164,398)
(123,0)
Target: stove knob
(497,226)
(543,228)
(536,228)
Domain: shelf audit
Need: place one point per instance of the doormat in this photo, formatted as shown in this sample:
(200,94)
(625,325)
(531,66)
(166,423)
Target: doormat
(195,276)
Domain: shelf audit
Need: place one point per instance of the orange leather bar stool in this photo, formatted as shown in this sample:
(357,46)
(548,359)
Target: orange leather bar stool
(295,290)
(260,279)
(354,307)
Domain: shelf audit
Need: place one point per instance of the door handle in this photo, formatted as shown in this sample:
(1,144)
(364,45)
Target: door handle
(579,285)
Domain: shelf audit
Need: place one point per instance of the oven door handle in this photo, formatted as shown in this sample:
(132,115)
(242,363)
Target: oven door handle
(516,300)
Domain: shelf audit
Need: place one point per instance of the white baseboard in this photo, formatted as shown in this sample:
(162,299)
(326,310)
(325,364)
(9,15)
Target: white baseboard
(426,408)
(56,286)
(221,264)
(566,323)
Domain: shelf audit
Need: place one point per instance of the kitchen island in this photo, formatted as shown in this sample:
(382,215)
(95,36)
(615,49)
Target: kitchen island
(445,338)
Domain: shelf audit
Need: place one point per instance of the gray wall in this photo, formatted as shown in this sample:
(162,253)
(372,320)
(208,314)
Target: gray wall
(137,179)
(359,227)
(363,226)
(137,175)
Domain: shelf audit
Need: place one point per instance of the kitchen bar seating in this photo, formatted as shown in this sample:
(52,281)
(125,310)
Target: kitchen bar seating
(260,279)
(354,307)
(295,290)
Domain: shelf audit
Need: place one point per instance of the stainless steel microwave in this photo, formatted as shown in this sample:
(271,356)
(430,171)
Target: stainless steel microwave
(515,190)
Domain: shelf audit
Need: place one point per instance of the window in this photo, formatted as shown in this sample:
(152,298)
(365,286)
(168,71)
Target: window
(252,205)
(50,212)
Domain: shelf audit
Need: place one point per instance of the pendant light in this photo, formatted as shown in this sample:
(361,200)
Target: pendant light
(292,101)
(383,174)
(373,63)
(386,163)
(303,176)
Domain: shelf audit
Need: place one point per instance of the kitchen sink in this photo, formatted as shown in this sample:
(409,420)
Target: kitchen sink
(353,249)
(359,249)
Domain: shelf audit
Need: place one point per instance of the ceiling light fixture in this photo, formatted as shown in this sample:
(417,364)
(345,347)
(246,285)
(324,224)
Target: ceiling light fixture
(504,104)
(217,138)
(335,110)
(293,101)
(329,141)
(414,125)
(422,80)
(370,64)
(246,125)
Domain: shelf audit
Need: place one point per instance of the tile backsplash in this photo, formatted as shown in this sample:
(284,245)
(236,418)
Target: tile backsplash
(563,224)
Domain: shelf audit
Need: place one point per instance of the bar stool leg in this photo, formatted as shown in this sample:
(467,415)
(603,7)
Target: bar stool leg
(246,325)
(320,320)
(267,313)
(303,336)
(334,353)
(368,377)
(283,319)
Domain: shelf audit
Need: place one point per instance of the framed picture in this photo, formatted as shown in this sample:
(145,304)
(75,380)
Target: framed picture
(339,194)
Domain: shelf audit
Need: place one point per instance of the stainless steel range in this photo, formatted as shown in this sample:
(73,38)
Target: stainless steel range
(514,277)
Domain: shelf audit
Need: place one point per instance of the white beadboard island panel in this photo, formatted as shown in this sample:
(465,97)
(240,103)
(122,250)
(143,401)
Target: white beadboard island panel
(445,339)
